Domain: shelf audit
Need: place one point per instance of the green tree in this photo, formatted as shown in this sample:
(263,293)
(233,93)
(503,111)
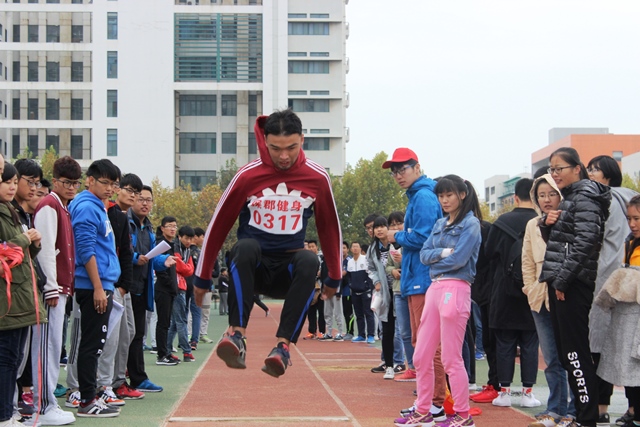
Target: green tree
(365,189)
(46,162)
(632,183)
(227,173)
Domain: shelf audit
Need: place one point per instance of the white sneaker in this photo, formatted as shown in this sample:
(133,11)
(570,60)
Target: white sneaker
(473,387)
(56,417)
(504,397)
(544,420)
(389,373)
(528,399)
(73,400)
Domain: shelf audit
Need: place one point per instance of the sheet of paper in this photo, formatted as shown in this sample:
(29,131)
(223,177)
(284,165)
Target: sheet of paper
(158,250)
(115,316)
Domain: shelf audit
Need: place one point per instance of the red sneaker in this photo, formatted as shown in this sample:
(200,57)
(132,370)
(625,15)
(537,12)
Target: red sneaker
(406,376)
(487,395)
(126,392)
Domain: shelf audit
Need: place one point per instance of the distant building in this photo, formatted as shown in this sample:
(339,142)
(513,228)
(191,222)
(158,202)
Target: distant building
(170,88)
(499,191)
(589,142)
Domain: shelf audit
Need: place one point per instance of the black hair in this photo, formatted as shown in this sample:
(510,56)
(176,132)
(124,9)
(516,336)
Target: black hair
(455,184)
(364,247)
(345,243)
(397,165)
(355,241)
(67,167)
(315,242)
(10,172)
(132,180)
(104,168)
(283,122)
(380,221)
(396,216)
(199,231)
(223,270)
(523,189)
(370,218)
(28,167)
(571,156)
(186,230)
(610,169)
(46,184)
(167,219)
(541,171)
(146,187)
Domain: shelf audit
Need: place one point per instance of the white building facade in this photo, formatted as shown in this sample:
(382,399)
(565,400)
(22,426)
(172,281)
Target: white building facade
(170,88)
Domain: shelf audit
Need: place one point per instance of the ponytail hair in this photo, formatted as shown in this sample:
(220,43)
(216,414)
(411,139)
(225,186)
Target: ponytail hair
(571,156)
(380,221)
(455,184)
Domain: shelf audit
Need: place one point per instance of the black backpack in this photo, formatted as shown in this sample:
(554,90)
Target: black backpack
(513,261)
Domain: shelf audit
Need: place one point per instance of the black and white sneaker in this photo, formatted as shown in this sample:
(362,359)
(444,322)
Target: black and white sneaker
(276,363)
(97,409)
(380,369)
(167,361)
(232,349)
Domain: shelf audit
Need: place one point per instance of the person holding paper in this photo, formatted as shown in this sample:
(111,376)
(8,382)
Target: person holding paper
(274,196)
(143,240)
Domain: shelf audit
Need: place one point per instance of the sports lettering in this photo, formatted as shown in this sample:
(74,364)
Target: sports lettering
(278,212)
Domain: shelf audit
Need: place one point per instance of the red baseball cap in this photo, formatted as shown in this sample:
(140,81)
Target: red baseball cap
(401,155)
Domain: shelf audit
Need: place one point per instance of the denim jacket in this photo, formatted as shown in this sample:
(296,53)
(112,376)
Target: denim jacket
(464,238)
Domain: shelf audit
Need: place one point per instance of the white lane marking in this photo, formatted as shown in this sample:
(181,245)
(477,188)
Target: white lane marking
(257,419)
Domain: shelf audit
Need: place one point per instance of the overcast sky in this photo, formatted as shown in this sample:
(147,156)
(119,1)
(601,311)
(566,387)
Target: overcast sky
(474,86)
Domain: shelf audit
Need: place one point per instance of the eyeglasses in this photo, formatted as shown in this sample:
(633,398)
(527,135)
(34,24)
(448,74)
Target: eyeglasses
(593,169)
(548,195)
(558,170)
(401,171)
(143,201)
(69,184)
(114,184)
(130,191)
(396,224)
(171,227)
(369,228)
(32,183)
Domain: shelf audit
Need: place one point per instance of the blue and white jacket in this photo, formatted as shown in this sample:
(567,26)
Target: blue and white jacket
(93,236)
(464,238)
(422,213)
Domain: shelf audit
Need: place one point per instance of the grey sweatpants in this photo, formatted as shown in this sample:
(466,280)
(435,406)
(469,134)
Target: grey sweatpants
(333,309)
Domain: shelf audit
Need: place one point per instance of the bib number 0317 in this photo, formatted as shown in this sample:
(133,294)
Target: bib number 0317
(280,223)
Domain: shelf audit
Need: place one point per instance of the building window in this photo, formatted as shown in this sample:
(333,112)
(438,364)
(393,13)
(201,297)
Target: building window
(77,151)
(493,190)
(53,33)
(309,105)
(229,29)
(308,67)
(294,54)
(112,142)
(617,156)
(229,105)
(32,74)
(229,143)
(112,103)
(197,179)
(319,16)
(316,144)
(319,54)
(33,33)
(197,105)
(15,110)
(493,207)
(308,28)
(197,143)
(228,68)
(53,71)
(297,16)
(112,65)
(77,106)
(53,141)
(253,105)
(16,71)
(77,34)
(53,1)
(253,146)
(319,131)
(16,33)
(486,194)
(53,109)
(112,25)
(77,71)
(15,145)
(320,92)
(33,108)
(32,142)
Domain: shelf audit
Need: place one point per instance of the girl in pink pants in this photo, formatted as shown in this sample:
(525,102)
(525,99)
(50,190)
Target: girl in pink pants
(451,251)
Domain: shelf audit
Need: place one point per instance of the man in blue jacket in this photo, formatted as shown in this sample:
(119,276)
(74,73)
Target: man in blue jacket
(423,210)
(97,270)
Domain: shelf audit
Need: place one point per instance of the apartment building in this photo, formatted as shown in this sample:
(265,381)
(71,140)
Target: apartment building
(170,88)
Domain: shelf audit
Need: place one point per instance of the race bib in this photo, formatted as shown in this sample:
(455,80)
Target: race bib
(278,212)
